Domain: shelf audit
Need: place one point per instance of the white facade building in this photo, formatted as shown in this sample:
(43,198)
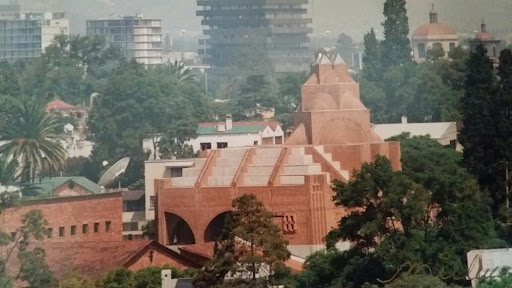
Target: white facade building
(487,263)
(139,38)
(218,135)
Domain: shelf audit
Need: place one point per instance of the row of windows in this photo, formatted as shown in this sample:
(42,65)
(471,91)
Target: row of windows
(20,53)
(123,23)
(422,52)
(85,229)
(19,38)
(9,32)
(123,31)
(19,24)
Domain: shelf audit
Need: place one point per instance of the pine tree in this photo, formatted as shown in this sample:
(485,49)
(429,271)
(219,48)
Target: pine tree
(251,243)
(372,70)
(479,134)
(396,45)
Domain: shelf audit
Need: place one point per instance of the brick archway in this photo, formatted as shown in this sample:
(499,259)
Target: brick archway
(179,231)
(214,229)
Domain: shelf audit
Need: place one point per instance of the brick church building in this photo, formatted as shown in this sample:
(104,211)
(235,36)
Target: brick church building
(332,138)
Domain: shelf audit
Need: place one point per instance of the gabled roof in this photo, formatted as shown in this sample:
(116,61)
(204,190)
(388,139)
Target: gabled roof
(92,259)
(58,104)
(238,127)
(47,185)
(435,130)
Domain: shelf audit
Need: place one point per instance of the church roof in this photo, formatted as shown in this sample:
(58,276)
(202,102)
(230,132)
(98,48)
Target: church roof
(434,29)
(483,34)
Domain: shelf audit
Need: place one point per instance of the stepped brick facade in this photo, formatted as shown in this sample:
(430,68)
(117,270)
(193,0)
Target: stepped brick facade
(333,137)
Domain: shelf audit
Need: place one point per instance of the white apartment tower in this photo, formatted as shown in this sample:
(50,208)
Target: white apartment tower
(139,38)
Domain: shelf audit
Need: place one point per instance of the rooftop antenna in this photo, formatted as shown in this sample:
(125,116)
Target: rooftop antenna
(114,172)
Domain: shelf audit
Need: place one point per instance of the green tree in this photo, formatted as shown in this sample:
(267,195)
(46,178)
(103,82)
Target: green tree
(289,97)
(115,278)
(33,269)
(435,53)
(30,136)
(396,45)
(479,135)
(148,278)
(418,281)
(503,281)
(73,279)
(9,85)
(255,97)
(345,47)
(251,244)
(372,69)
(182,74)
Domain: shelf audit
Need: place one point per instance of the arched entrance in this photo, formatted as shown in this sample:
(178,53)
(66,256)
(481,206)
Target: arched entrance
(214,229)
(178,230)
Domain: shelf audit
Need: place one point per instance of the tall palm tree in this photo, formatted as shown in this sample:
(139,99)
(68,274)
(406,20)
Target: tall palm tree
(184,75)
(29,136)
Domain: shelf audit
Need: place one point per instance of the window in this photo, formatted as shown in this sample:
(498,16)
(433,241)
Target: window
(279,140)
(494,51)
(85,228)
(131,226)
(452,46)
(50,233)
(96,227)
(61,231)
(176,172)
(151,201)
(73,230)
(437,46)
(107,226)
(421,50)
(222,145)
(206,146)
(255,143)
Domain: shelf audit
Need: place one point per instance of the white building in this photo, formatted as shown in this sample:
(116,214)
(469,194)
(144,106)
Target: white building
(487,263)
(443,132)
(139,38)
(218,135)
(54,24)
(433,35)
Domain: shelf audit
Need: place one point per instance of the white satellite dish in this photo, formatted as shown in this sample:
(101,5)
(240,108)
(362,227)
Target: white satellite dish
(113,172)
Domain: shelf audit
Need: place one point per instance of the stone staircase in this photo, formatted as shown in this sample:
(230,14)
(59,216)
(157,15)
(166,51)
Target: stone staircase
(336,164)
(190,174)
(226,166)
(262,165)
(297,165)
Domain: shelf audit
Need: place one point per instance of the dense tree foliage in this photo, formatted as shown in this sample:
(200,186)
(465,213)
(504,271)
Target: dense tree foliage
(251,244)
(123,278)
(486,117)
(396,45)
(430,213)
(141,104)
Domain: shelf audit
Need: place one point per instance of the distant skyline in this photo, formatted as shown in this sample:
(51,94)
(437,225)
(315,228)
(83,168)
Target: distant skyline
(331,17)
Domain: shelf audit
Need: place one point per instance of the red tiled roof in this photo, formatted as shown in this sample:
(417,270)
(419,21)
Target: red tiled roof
(58,104)
(91,259)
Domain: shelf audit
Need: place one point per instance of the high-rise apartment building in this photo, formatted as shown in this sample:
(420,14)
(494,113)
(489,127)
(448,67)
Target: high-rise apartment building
(26,35)
(139,38)
(280,26)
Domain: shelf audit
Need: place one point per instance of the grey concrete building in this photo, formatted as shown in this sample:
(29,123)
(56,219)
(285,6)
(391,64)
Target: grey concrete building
(25,35)
(281,27)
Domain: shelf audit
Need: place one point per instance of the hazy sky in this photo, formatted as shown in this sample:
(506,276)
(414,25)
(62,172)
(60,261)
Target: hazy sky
(353,17)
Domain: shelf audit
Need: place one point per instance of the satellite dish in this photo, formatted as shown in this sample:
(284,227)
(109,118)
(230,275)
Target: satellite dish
(113,172)
(68,128)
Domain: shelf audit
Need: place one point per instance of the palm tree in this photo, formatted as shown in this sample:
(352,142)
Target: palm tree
(184,75)
(29,136)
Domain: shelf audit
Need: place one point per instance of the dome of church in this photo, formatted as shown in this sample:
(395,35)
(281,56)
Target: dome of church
(434,28)
(483,34)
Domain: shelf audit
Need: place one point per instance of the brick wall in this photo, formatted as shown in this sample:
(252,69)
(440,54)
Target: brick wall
(89,218)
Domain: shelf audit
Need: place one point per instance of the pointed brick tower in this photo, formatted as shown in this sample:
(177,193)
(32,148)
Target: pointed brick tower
(331,111)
